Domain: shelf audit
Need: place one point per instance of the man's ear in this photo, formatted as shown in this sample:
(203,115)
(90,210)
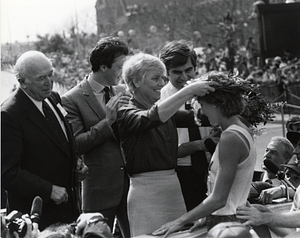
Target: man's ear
(103,68)
(22,81)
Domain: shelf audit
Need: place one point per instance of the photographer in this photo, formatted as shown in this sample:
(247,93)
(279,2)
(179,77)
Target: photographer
(31,228)
(87,225)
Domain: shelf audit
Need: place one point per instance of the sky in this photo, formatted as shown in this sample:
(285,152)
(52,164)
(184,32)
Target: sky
(22,20)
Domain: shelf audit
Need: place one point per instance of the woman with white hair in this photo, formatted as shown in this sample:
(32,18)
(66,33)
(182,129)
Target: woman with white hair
(148,136)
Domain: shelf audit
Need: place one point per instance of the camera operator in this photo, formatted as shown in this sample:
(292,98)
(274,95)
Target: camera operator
(31,228)
(87,225)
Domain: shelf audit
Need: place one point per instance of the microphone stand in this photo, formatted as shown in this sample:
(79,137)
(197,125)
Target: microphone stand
(281,176)
(286,191)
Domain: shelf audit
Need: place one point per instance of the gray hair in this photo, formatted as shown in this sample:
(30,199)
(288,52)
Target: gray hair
(26,62)
(288,146)
(136,67)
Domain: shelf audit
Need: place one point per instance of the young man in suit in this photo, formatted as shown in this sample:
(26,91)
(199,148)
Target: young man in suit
(93,113)
(38,153)
(192,164)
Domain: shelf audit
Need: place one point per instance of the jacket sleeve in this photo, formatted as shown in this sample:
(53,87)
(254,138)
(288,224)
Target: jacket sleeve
(86,139)
(131,119)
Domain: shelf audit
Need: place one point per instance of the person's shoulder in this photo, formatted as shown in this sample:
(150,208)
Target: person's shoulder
(237,136)
(167,91)
(13,102)
(238,128)
(55,97)
(233,133)
(76,90)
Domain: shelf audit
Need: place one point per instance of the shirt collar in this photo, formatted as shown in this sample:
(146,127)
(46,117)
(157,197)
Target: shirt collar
(38,104)
(172,89)
(96,87)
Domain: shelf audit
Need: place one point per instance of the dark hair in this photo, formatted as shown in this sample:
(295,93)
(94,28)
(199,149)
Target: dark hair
(105,52)
(230,102)
(235,96)
(177,53)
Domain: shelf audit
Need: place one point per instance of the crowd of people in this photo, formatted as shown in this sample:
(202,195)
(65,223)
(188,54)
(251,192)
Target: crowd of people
(142,144)
(247,61)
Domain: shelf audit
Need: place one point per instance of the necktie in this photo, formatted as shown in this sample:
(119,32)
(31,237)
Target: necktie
(107,96)
(53,122)
(198,159)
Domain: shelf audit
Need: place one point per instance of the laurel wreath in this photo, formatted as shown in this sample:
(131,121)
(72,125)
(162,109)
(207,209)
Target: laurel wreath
(259,109)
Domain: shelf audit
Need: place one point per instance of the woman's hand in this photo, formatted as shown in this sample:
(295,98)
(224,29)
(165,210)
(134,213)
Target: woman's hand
(124,99)
(201,87)
(168,228)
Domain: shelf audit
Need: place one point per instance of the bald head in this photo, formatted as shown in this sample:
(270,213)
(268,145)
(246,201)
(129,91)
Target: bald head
(29,62)
(34,71)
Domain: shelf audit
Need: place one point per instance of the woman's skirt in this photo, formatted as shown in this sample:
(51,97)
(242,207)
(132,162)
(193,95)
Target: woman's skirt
(154,199)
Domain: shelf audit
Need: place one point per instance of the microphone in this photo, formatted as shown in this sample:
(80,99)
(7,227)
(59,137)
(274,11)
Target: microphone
(271,166)
(210,145)
(36,209)
(279,174)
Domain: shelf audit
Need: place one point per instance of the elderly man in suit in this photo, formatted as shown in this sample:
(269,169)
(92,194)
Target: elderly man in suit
(93,113)
(37,147)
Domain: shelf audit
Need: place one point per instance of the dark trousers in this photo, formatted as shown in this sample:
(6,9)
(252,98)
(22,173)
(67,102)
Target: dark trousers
(119,212)
(193,186)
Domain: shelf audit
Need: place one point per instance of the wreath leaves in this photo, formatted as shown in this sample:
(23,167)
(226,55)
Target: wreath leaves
(258,108)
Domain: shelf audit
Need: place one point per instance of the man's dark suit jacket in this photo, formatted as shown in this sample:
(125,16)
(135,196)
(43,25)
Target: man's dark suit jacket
(33,159)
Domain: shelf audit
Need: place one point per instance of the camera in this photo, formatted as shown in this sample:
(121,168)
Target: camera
(15,222)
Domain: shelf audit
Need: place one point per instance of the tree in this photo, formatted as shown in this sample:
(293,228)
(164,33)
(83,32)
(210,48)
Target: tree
(55,43)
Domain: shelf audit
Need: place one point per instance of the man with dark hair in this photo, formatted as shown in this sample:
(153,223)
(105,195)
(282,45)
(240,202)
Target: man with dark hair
(293,129)
(93,113)
(180,60)
(38,156)
(293,124)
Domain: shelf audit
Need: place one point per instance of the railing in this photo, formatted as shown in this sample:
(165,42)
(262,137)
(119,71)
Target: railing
(288,94)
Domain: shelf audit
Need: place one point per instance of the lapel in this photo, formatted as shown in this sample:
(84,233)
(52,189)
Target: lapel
(92,100)
(37,118)
(66,123)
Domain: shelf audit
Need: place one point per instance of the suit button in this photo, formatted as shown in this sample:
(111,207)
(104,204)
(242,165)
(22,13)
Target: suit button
(122,167)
